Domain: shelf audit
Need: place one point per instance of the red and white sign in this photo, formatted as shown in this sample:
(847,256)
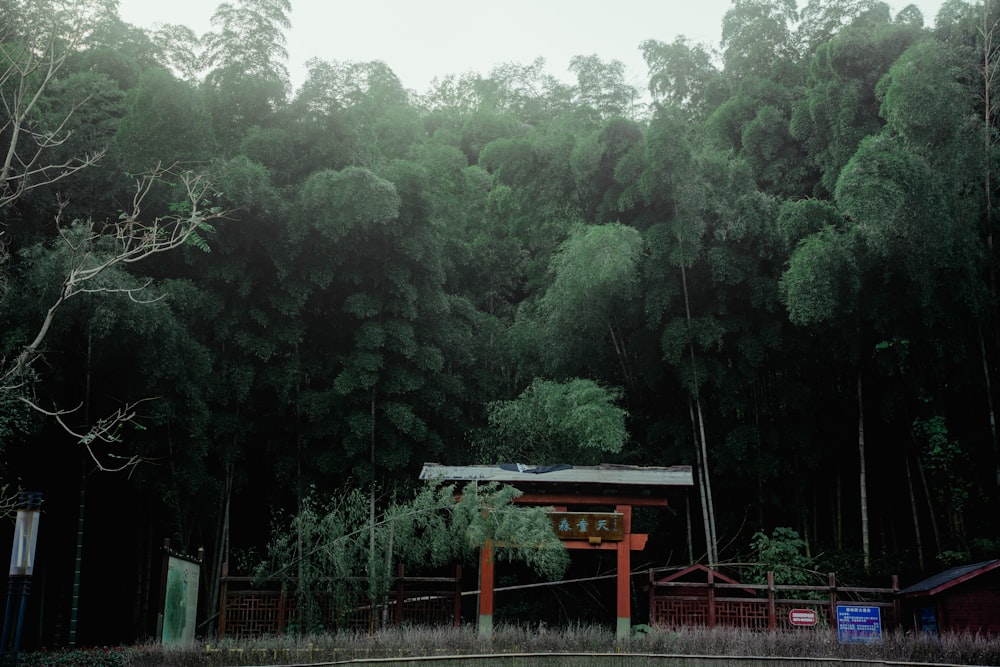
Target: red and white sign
(802,617)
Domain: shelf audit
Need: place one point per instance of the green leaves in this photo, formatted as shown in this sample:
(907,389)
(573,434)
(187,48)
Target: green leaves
(325,550)
(596,270)
(784,554)
(339,203)
(575,421)
(166,123)
(894,199)
(821,279)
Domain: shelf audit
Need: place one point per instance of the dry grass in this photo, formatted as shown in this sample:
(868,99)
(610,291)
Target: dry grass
(408,642)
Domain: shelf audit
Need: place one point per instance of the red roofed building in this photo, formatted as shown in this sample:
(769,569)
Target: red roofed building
(964,598)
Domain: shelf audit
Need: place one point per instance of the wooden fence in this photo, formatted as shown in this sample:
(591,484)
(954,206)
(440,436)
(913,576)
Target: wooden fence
(761,606)
(250,608)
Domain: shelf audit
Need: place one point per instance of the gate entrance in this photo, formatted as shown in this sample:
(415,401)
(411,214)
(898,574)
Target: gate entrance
(592,509)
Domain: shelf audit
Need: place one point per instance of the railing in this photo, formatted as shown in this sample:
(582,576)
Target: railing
(251,608)
(685,603)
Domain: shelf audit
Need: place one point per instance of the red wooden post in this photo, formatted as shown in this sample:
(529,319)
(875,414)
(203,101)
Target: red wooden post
(624,624)
(711,598)
(772,620)
(486,590)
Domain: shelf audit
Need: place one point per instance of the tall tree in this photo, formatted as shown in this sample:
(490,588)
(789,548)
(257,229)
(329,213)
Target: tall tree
(757,36)
(601,86)
(245,54)
(682,74)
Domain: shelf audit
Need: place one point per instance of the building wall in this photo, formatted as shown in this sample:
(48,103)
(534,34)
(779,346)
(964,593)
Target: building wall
(974,606)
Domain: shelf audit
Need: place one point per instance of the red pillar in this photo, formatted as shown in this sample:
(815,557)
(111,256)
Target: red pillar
(624,596)
(486,590)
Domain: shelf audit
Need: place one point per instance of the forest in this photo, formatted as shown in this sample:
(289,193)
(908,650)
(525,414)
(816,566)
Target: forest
(223,300)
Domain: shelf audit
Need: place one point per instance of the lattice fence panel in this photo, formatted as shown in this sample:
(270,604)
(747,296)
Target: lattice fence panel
(255,613)
(749,614)
(675,612)
(252,613)
(430,609)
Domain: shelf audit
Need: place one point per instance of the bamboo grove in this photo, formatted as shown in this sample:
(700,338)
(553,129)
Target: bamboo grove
(775,263)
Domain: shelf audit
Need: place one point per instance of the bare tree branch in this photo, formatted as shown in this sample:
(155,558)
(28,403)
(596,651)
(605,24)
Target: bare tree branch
(26,75)
(134,240)
(105,431)
(29,65)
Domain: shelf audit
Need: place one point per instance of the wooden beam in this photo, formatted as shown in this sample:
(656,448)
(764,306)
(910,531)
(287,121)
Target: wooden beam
(570,500)
(636,542)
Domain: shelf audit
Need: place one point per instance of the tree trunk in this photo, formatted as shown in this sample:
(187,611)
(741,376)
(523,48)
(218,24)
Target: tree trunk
(708,505)
(619,342)
(690,533)
(371,512)
(988,32)
(915,514)
(838,510)
(991,411)
(862,479)
(74,610)
(930,504)
(700,465)
(221,541)
(714,552)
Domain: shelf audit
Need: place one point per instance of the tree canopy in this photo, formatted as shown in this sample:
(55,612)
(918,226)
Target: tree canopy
(774,262)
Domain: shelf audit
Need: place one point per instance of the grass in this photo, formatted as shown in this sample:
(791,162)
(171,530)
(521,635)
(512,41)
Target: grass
(409,642)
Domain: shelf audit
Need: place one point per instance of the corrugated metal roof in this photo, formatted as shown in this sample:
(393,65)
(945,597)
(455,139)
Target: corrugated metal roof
(951,577)
(600,474)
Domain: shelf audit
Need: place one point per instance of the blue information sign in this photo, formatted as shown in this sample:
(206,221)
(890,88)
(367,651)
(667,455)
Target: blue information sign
(858,624)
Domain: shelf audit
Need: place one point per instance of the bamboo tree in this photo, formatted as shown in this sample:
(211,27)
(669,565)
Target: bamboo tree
(863,478)
(988,32)
(708,505)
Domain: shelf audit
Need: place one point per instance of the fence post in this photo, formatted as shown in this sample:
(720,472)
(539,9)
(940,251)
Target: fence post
(833,601)
(400,596)
(652,596)
(223,595)
(896,611)
(772,620)
(458,596)
(711,598)
(282,610)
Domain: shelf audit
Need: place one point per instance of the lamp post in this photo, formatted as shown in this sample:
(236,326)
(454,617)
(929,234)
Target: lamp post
(22,564)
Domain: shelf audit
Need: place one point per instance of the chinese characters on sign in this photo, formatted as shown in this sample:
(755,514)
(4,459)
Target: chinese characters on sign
(587,525)
(802,617)
(859,624)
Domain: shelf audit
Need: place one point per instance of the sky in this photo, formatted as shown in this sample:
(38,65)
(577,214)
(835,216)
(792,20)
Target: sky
(423,39)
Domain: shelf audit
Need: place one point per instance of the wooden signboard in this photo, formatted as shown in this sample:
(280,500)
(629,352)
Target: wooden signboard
(594,526)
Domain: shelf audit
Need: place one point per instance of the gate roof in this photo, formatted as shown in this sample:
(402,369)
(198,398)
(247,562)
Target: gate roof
(604,474)
(567,483)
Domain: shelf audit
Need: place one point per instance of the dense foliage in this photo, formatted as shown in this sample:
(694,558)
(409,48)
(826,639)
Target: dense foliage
(778,268)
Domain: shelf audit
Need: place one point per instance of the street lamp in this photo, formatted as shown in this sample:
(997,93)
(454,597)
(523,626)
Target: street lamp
(22,564)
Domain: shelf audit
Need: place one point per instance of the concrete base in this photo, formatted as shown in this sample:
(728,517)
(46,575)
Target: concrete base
(486,626)
(623,631)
